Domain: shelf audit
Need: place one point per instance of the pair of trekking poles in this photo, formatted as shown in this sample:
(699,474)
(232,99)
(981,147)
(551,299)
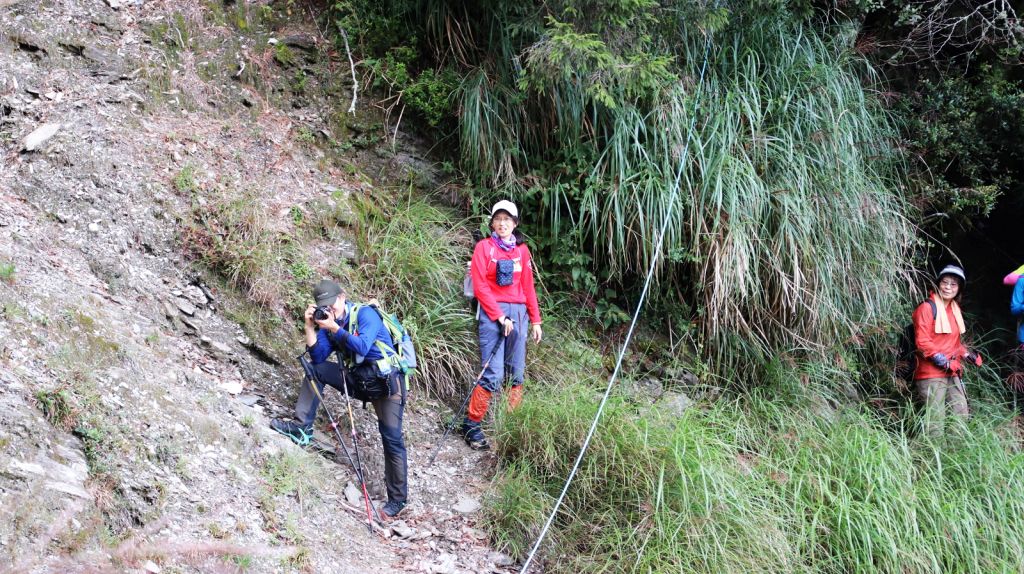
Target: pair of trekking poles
(314,382)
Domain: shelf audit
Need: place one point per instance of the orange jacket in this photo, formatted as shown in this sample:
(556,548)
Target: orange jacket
(929,342)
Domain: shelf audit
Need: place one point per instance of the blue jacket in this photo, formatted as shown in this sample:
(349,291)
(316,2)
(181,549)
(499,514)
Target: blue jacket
(1017,307)
(371,329)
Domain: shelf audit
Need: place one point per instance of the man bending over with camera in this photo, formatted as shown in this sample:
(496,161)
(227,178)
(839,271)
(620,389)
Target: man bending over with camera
(363,348)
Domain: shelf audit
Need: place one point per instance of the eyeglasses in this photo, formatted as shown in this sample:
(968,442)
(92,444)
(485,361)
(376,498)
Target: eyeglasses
(504,220)
(949,283)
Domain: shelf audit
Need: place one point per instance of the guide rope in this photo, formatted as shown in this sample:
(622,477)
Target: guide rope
(636,313)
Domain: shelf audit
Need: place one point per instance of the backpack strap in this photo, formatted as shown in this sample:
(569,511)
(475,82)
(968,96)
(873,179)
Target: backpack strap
(935,309)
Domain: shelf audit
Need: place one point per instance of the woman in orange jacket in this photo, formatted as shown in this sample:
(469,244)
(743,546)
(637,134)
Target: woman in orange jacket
(938,325)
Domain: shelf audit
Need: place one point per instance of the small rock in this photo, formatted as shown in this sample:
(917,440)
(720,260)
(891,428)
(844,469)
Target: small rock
(248,400)
(352,494)
(151,566)
(185,306)
(94,228)
(195,295)
(39,136)
(190,324)
(467,505)
(403,530)
(301,41)
(232,387)
(500,559)
(219,347)
(169,310)
(676,403)
(445,564)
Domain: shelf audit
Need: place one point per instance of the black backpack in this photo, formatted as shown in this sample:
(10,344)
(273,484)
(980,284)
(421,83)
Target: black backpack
(906,361)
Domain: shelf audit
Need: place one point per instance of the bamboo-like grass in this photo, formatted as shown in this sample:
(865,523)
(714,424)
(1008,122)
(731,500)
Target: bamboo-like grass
(789,231)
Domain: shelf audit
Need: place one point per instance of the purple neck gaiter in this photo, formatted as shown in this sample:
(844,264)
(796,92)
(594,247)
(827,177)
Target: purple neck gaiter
(504,245)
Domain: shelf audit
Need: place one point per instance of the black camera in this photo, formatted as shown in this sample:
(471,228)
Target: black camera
(321,313)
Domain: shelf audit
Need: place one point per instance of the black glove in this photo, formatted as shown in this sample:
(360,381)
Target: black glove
(939,360)
(974,358)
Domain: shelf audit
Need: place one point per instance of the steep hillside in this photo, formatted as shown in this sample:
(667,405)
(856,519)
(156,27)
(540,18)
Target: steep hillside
(151,150)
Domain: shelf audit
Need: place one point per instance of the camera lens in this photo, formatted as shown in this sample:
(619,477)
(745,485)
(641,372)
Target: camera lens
(320,314)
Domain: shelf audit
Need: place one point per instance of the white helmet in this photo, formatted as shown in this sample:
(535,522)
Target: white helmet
(505,205)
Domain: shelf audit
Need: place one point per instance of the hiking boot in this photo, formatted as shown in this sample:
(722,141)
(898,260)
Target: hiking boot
(474,436)
(299,434)
(392,508)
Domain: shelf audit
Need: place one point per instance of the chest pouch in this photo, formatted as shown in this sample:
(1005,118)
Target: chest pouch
(503,272)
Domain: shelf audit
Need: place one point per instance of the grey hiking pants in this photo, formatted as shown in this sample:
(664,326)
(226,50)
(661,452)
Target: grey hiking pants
(389,410)
(509,361)
(935,395)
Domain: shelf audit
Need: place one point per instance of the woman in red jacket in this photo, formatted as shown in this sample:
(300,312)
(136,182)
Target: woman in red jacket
(502,272)
(938,324)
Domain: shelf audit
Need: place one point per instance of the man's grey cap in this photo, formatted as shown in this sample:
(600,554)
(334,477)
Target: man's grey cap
(326,292)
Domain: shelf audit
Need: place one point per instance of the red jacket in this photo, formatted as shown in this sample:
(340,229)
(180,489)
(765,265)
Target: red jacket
(484,269)
(929,342)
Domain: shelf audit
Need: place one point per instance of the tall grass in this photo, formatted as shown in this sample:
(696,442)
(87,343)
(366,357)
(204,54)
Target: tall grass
(783,479)
(790,229)
(414,257)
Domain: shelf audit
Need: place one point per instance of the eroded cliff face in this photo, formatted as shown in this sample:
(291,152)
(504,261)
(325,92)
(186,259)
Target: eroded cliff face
(137,385)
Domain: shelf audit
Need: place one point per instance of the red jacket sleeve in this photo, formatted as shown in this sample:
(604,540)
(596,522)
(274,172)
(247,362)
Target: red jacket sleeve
(481,286)
(528,288)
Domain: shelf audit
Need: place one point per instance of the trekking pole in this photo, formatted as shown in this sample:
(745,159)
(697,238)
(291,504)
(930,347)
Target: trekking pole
(355,447)
(314,380)
(455,420)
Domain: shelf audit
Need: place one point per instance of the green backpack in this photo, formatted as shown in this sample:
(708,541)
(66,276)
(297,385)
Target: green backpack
(402,354)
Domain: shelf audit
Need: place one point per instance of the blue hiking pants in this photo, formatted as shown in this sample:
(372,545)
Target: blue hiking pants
(509,361)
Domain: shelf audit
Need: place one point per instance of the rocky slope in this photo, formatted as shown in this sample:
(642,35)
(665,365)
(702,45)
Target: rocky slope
(134,408)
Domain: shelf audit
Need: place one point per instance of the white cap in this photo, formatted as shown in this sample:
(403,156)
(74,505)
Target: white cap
(505,205)
(953,270)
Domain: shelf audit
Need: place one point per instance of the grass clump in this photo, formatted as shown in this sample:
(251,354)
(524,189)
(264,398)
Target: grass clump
(239,239)
(58,407)
(185,180)
(285,474)
(783,479)
(652,494)
(7,271)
